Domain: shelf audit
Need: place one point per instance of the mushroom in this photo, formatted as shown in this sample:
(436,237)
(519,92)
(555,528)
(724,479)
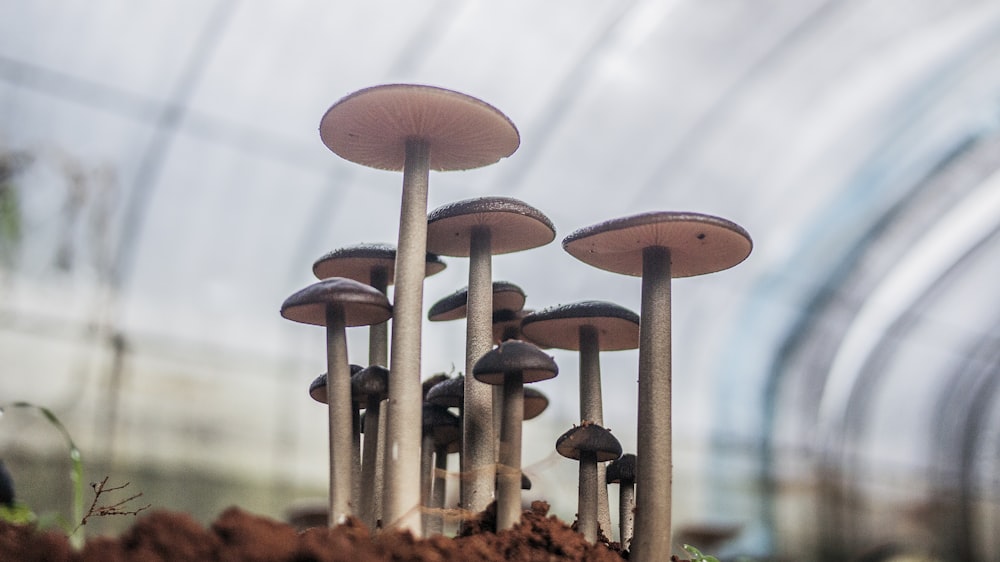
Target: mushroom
(375,265)
(622,472)
(442,433)
(337,303)
(415,129)
(534,403)
(507,324)
(506,296)
(317,390)
(590,444)
(449,393)
(589,327)
(512,364)
(657,246)
(480,228)
(370,386)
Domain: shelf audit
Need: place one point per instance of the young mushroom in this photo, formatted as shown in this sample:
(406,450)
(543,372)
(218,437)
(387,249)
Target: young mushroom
(317,390)
(589,327)
(590,444)
(415,129)
(480,228)
(622,472)
(512,364)
(657,246)
(337,303)
(370,387)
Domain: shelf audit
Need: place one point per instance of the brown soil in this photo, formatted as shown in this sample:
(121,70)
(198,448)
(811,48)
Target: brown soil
(238,536)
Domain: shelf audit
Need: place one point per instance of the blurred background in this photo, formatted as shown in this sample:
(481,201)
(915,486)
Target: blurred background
(163,189)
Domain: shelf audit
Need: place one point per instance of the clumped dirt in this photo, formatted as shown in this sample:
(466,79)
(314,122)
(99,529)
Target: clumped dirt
(239,536)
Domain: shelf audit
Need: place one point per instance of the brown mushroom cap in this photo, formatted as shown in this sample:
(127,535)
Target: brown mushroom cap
(622,470)
(589,438)
(559,326)
(370,382)
(448,393)
(534,403)
(357,262)
(506,296)
(514,356)
(698,243)
(362,304)
(317,388)
(444,427)
(514,226)
(371,127)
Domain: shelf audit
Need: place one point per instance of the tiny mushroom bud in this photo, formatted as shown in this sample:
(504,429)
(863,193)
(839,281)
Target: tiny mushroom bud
(622,472)
(590,444)
(512,364)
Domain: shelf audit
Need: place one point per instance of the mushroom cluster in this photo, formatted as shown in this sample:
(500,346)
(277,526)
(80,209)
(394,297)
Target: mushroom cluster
(396,477)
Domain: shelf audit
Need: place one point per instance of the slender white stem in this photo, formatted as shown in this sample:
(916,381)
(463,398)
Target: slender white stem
(368,462)
(591,409)
(478,443)
(586,518)
(626,513)
(338,399)
(438,489)
(509,471)
(402,457)
(654,466)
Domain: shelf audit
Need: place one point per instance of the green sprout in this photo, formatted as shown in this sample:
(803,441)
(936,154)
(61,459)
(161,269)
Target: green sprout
(697,556)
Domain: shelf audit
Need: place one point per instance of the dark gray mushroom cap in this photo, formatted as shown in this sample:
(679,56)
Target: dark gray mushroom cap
(513,225)
(507,324)
(317,388)
(506,296)
(589,438)
(370,382)
(442,426)
(448,393)
(362,305)
(698,243)
(372,126)
(430,382)
(360,260)
(534,403)
(622,470)
(559,326)
(514,356)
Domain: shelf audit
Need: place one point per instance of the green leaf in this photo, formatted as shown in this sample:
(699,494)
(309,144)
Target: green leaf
(697,556)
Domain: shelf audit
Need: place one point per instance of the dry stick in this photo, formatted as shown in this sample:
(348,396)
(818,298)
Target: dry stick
(591,410)
(654,464)
(401,499)
(478,436)
(371,472)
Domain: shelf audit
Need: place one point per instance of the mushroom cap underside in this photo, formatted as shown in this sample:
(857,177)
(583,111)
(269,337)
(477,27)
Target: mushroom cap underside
(698,243)
(559,327)
(372,126)
(589,438)
(515,357)
(362,305)
(513,226)
(359,261)
(506,296)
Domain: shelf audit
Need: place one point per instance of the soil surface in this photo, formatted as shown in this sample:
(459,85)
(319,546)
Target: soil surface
(239,536)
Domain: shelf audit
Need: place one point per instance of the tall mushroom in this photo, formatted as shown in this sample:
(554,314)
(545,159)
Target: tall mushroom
(590,444)
(337,303)
(512,364)
(369,387)
(622,472)
(657,246)
(415,129)
(589,327)
(480,228)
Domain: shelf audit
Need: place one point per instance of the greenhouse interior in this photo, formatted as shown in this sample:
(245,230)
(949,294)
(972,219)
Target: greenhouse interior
(164,188)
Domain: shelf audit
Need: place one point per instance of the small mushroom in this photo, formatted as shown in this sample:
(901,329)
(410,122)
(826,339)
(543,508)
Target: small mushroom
(590,444)
(415,129)
(442,433)
(512,364)
(317,390)
(337,303)
(657,246)
(370,386)
(447,393)
(507,324)
(622,472)
(590,327)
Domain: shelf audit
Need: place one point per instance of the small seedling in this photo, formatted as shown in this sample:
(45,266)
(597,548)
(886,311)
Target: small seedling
(697,556)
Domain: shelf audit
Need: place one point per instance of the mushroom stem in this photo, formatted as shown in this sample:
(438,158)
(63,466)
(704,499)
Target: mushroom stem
(402,459)
(426,479)
(654,466)
(478,435)
(435,523)
(378,334)
(626,513)
(592,410)
(339,408)
(509,471)
(369,461)
(586,519)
